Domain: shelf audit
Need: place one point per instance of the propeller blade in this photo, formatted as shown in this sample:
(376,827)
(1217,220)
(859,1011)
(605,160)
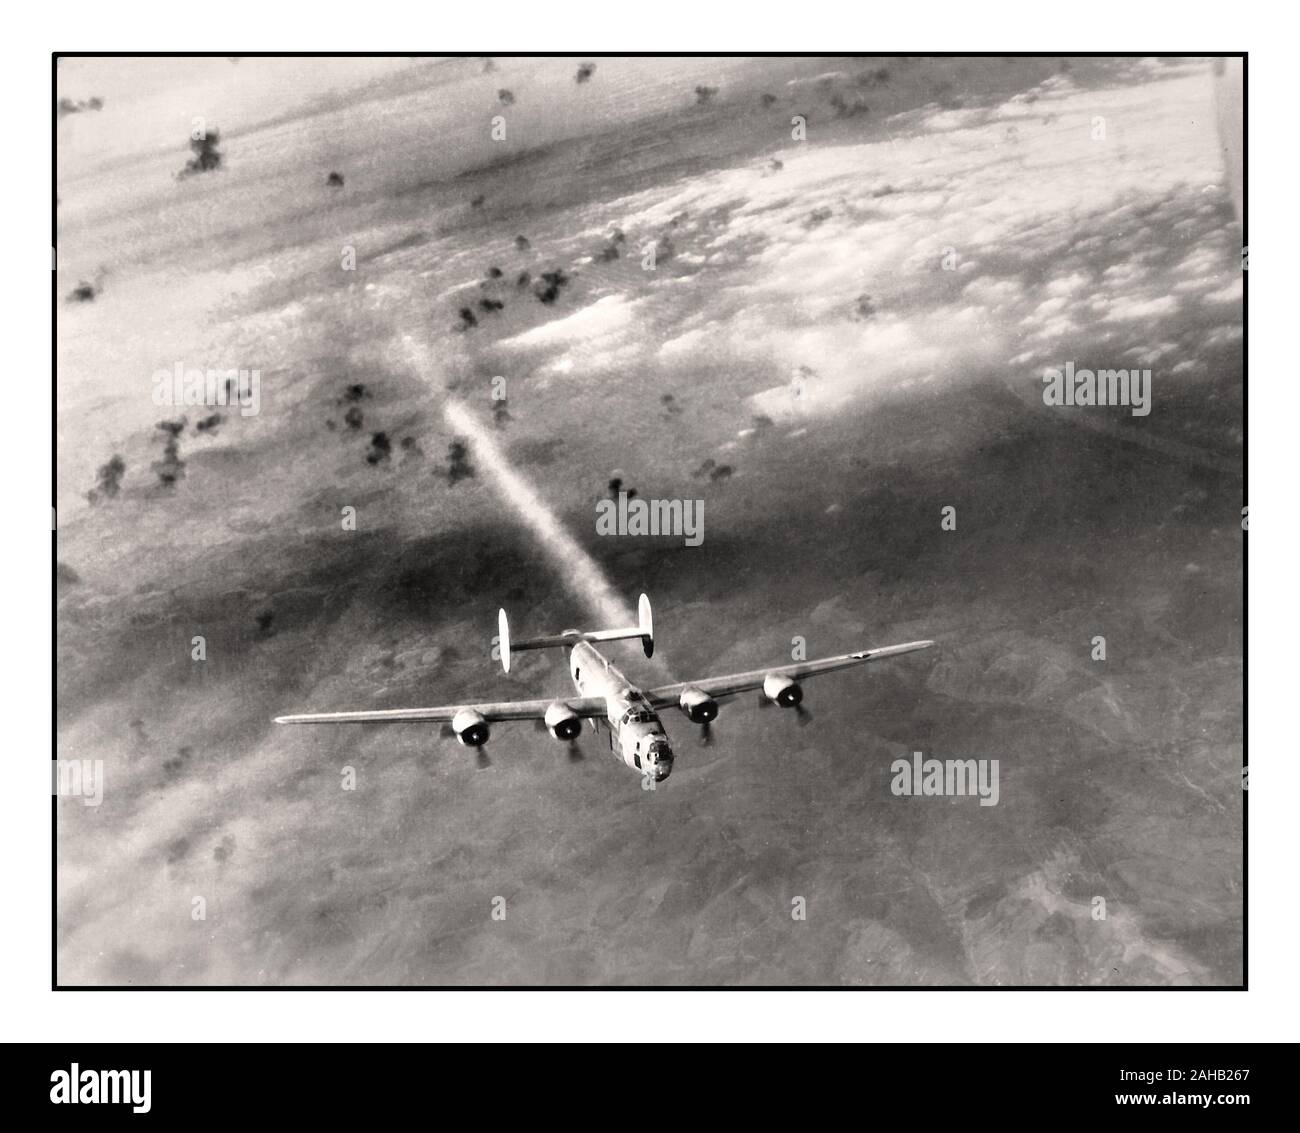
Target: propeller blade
(446,731)
(803,715)
(706,733)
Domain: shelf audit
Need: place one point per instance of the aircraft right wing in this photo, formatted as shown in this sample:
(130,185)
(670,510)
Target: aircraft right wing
(582,706)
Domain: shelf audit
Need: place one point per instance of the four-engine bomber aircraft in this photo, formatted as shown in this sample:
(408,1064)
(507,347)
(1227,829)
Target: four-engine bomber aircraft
(636,734)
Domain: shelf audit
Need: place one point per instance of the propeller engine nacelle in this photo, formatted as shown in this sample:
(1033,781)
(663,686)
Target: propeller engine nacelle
(782,691)
(699,706)
(470,728)
(562,722)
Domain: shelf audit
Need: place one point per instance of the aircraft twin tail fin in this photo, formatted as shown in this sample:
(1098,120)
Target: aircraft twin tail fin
(644,630)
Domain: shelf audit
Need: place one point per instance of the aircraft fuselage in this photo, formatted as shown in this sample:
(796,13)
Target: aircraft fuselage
(636,733)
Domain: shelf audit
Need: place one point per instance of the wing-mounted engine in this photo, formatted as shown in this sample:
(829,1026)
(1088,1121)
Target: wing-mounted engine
(782,690)
(562,722)
(785,692)
(698,705)
(700,708)
(470,728)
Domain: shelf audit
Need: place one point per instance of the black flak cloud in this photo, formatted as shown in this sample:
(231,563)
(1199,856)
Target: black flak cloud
(549,286)
(108,480)
(68,106)
(458,464)
(206,155)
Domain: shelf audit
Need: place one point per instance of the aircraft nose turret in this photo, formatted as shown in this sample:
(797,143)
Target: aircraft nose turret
(659,760)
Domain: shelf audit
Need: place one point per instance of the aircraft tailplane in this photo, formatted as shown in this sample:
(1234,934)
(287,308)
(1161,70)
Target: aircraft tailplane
(644,630)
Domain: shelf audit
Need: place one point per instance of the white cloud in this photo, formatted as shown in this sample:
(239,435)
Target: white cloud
(1033,226)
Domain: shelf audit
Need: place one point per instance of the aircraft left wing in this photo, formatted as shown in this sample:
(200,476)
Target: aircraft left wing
(583,706)
(667,695)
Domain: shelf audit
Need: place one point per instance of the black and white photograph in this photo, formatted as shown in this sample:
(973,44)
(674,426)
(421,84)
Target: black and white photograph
(628,520)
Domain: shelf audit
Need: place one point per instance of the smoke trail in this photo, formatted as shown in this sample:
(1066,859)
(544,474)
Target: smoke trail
(570,561)
(568,558)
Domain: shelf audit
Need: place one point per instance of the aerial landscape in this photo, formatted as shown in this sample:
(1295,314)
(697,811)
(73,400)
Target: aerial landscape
(456,305)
